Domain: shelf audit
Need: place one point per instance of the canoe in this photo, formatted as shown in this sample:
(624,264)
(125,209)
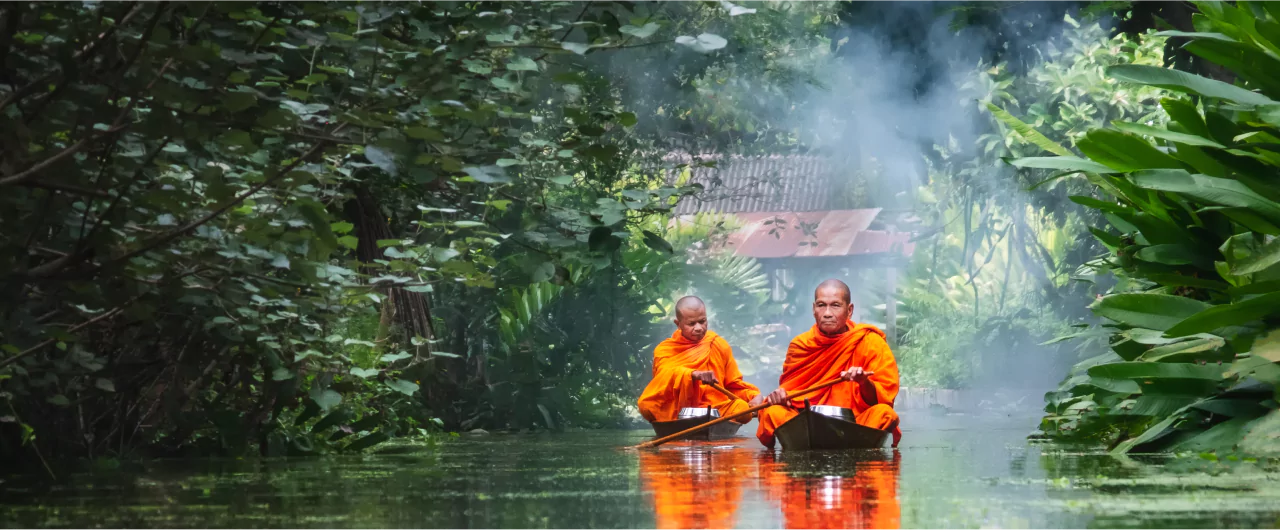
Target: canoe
(718,431)
(811,430)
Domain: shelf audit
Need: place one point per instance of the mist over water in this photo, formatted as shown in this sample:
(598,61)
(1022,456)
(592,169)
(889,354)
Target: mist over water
(897,82)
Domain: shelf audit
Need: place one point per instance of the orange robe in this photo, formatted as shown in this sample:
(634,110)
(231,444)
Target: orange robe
(814,358)
(673,387)
(696,488)
(868,499)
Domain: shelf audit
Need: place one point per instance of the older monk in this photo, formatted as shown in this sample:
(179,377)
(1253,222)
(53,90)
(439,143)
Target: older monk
(836,347)
(693,355)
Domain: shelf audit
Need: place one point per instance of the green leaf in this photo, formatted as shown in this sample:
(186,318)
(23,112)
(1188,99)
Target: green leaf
(1061,163)
(393,357)
(1210,190)
(281,374)
(640,32)
(576,47)
(1264,258)
(1221,316)
(1028,132)
(656,242)
(468,224)
(1148,310)
(368,441)
(1165,134)
(523,64)
(384,159)
(404,387)
(544,272)
(1186,351)
(1175,255)
(1124,152)
(1147,370)
(627,119)
(1179,81)
(236,101)
(1185,114)
(350,242)
(704,43)
(487,174)
(601,239)
(1221,437)
(364,373)
(105,385)
(59,400)
(326,399)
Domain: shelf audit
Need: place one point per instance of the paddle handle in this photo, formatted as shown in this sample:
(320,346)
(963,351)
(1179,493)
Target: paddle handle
(752,410)
(723,390)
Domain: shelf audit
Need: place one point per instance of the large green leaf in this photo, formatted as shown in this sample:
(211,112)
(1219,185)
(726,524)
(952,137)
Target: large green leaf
(1221,437)
(1263,437)
(1028,132)
(1124,152)
(1147,370)
(1185,114)
(1148,310)
(1265,257)
(1221,316)
(1165,134)
(1061,163)
(1184,82)
(1207,189)
(1175,255)
(1191,350)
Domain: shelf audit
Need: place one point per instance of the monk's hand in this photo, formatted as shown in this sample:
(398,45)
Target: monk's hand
(856,374)
(777,397)
(705,376)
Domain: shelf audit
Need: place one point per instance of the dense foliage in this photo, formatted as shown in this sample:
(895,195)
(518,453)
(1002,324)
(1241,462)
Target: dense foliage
(292,228)
(1191,210)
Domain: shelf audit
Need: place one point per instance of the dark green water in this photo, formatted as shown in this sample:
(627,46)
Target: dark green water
(953,471)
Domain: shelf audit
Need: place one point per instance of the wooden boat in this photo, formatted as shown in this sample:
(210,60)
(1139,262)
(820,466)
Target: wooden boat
(692,418)
(835,429)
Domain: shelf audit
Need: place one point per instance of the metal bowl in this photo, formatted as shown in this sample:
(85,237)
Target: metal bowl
(691,412)
(834,412)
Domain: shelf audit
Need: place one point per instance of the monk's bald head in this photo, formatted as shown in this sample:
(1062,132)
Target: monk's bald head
(689,303)
(832,307)
(691,318)
(837,285)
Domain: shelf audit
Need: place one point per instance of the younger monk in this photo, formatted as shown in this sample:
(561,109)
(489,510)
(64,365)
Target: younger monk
(692,356)
(836,348)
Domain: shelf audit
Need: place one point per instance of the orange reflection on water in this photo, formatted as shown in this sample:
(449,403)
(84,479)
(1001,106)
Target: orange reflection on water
(818,493)
(701,486)
(696,486)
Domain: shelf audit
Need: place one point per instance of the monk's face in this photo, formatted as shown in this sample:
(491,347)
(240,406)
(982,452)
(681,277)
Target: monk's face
(692,323)
(831,310)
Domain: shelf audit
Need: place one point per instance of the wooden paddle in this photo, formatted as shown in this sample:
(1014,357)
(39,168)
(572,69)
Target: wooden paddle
(762,406)
(722,390)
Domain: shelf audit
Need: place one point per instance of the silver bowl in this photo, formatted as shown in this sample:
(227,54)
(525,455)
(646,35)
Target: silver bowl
(691,412)
(834,412)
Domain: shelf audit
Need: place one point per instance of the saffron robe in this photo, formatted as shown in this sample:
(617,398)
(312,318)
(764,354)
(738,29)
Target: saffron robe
(814,358)
(672,388)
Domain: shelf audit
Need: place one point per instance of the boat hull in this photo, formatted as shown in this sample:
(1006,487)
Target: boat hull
(719,431)
(810,430)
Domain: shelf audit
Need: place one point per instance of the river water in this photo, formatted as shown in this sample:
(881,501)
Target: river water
(950,471)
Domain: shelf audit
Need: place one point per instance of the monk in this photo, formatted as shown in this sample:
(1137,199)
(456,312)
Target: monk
(836,348)
(693,355)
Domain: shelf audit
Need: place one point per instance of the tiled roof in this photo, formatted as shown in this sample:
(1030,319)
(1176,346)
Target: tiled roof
(738,184)
(835,233)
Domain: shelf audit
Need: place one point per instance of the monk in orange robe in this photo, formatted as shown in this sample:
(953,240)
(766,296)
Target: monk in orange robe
(836,348)
(692,356)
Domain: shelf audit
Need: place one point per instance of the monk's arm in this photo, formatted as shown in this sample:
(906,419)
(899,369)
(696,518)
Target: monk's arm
(883,387)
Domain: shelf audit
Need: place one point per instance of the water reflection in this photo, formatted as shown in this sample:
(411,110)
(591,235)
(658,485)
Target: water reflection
(696,486)
(701,486)
(832,490)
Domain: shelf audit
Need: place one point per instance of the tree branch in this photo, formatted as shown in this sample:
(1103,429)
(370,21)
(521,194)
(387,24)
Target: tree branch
(78,327)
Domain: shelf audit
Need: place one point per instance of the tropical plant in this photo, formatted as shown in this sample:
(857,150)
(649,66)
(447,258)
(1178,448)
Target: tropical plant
(1192,218)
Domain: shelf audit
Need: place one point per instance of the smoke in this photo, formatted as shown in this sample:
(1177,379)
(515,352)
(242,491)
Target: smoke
(877,94)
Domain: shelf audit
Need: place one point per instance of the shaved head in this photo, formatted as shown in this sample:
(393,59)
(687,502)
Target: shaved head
(691,318)
(689,303)
(835,284)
